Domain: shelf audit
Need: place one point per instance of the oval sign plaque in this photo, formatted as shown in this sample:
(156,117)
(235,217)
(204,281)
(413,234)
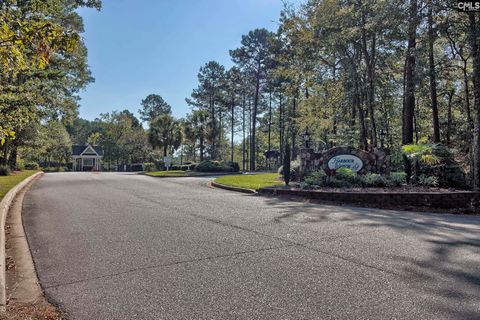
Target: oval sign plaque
(346,161)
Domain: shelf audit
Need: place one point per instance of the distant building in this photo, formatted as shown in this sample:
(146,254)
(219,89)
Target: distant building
(87,158)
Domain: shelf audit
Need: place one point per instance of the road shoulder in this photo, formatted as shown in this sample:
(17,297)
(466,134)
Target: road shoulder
(25,298)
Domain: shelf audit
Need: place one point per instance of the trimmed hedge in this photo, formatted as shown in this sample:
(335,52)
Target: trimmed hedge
(217,166)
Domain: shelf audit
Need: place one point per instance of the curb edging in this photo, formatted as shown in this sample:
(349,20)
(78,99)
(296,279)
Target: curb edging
(230,188)
(4,208)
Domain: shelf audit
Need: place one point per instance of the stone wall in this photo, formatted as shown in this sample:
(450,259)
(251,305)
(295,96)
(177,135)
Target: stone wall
(459,201)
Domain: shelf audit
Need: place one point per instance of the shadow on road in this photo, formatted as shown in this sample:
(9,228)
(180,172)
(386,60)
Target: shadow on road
(441,259)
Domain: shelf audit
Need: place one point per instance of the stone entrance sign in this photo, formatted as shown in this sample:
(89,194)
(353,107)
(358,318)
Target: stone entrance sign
(346,161)
(358,160)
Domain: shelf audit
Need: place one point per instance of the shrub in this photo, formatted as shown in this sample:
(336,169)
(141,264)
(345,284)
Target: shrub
(428,181)
(373,180)
(20,165)
(316,178)
(337,183)
(217,166)
(32,166)
(396,179)
(345,174)
(453,176)
(234,165)
(434,160)
(149,166)
(5,171)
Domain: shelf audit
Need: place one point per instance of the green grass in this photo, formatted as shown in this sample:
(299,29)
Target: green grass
(171,173)
(8,182)
(251,181)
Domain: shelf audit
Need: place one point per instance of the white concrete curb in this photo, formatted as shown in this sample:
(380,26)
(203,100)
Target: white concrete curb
(4,207)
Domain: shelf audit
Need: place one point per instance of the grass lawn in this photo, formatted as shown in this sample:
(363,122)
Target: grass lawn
(171,173)
(251,181)
(8,182)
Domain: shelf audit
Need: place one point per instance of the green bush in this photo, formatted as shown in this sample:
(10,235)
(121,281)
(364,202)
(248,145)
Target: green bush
(20,165)
(345,174)
(434,160)
(149,167)
(234,165)
(32,166)
(217,166)
(373,180)
(396,179)
(315,179)
(428,181)
(338,183)
(5,171)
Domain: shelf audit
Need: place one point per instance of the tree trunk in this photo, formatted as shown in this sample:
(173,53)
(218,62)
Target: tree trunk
(202,146)
(253,144)
(232,128)
(467,96)
(269,128)
(370,79)
(449,117)
(12,161)
(294,130)
(281,126)
(474,39)
(409,94)
(214,129)
(361,115)
(432,75)
(194,151)
(243,133)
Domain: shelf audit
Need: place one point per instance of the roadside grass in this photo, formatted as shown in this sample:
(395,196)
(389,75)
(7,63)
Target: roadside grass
(251,181)
(8,182)
(171,173)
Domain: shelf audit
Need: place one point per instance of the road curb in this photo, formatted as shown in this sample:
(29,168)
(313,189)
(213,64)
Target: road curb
(230,188)
(4,208)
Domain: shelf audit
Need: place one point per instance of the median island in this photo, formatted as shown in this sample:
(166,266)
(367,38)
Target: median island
(251,181)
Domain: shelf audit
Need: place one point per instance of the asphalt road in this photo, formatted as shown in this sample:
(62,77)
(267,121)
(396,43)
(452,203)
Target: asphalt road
(123,246)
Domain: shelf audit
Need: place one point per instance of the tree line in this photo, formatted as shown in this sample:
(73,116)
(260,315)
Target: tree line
(364,73)
(368,74)
(43,66)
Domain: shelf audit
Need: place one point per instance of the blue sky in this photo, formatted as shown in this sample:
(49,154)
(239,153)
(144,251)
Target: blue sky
(138,47)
